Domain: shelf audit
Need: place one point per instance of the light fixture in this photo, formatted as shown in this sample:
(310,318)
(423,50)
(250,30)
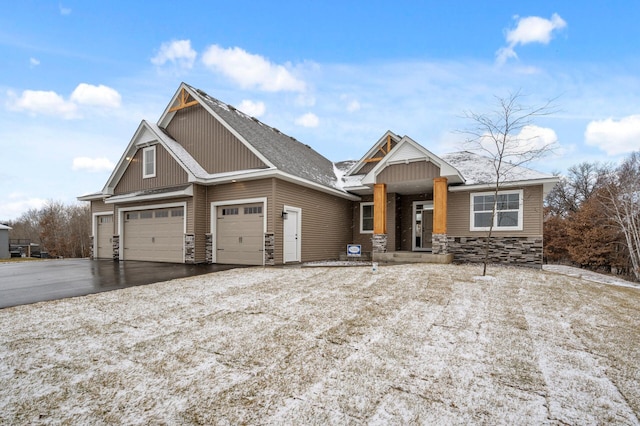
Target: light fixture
(284,215)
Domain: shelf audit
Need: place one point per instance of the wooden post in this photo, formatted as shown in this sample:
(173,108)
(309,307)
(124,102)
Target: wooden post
(440,205)
(380,208)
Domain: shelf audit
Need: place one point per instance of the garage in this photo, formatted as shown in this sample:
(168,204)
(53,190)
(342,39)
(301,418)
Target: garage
(240,234)
(154,235)
(104,237)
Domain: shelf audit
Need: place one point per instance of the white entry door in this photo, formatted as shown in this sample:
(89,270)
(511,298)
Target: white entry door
(292,229)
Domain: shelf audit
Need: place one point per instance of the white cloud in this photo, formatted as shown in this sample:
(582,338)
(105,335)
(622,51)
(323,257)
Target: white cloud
(308,120)
(44,102)
(529,138)
(255,109)
(251,71)
(178,52)
(34,62)
(17,204)
(614,136)
(101,96)
(530,29)
(101,164)
(64,10)
(353,106)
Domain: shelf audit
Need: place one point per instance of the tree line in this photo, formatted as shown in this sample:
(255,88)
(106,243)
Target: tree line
(592,218)
(58,229)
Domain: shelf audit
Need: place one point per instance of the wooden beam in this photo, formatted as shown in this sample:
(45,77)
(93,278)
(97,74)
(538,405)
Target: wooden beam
(379,208)
(372,160)
(440,205)
(182,102)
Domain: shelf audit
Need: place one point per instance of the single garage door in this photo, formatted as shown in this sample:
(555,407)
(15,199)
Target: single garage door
(104,237)
(240,238)
(154,235)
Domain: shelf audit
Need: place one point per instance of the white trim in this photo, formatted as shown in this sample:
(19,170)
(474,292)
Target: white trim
(123,210)
(135,197)
(94,230)
(362,230)
(298,211)
(510,184)
(214,218)
(520,226)
(148,151)
(429,204)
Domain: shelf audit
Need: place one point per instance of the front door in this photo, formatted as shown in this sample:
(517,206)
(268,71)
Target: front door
(422,225)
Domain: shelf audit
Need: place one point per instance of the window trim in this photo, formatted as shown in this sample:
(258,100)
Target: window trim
(146,152)
(362,205)
(519,227)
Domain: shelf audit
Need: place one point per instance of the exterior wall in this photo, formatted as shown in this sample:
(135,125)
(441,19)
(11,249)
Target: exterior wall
(100,206)
(356,237)
(394,228)
(168,173)
(201,217)
(526,251)
(240,191)
(4,244)
(152,204)
(459,210)
(413,171)
(210,143)
(327,221)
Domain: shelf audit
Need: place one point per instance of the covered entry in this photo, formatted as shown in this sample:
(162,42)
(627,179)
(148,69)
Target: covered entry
(239,230)
(155,235)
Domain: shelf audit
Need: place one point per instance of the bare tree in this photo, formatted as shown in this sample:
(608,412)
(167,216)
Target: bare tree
(508,136)
(578,186)
(621,200)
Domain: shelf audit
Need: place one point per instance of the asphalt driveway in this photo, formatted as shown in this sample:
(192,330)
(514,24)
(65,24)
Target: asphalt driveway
(22,283)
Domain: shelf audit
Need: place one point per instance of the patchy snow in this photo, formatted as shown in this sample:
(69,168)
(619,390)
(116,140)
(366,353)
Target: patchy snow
(409,344)
(590,276)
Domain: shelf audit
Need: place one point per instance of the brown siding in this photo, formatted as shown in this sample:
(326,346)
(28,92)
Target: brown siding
(357,238)
(210,143)
(394,230)
(240,191)
(100,207)
(417,170)
(326,221)
(168,173)
(458,214)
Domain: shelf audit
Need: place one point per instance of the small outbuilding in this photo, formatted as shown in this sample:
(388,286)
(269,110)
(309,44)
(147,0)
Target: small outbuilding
(4,241)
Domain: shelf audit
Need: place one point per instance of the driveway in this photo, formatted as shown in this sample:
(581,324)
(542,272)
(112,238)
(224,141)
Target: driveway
(22,283)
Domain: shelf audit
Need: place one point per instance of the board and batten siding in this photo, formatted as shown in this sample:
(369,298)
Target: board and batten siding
(407,172)
(168,173)
(210,143)
(327,221)
(458,214)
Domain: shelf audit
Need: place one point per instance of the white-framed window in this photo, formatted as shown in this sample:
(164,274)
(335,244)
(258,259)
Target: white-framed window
(508,217)
(149,162)
(366,218)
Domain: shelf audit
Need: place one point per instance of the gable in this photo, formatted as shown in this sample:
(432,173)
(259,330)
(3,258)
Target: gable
(210,143)
(168,173)
(376,154)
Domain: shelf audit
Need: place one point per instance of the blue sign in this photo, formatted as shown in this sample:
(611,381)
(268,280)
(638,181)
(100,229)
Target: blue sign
(354,250)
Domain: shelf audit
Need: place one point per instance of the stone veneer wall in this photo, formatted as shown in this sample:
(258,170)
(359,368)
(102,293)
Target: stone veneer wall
(189,248)
(379,242)
(116,247)
(91,254)
(208,248)
(269,248)
(439,244)
(526,251)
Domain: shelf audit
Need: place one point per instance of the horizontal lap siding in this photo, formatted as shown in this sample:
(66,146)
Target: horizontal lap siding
(168,173)
(240,191)
(357,238)
(101,207)
(458,214)
(326,221)
(211,143)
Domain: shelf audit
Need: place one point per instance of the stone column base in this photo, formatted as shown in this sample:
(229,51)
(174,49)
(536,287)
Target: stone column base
(379,242)
(116,248)
(269,249)
(208,248)
(439,244)
(189,248)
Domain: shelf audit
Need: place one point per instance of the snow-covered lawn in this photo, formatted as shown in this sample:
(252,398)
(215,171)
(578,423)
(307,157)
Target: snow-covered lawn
(408,344)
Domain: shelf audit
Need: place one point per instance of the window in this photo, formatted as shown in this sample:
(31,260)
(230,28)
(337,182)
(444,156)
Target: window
(230,211)
(149,162)
(366,218)
(253,210)
(508,211)
(162,213)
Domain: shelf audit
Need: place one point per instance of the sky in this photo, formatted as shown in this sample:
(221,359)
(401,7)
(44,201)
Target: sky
(78,77)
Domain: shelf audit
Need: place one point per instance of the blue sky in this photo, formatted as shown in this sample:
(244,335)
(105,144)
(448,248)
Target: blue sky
(77,77)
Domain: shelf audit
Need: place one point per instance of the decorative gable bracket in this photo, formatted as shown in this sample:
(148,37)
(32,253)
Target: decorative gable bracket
(183,101)
(384,149)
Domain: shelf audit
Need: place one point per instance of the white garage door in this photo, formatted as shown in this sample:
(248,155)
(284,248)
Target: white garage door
(104,237)
(154,235)
(240,238)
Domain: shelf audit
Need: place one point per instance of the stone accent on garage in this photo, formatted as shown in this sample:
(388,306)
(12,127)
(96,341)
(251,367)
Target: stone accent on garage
(116,247)
(269,249)
(189,248)
(208,248)
(525,251)
(91,254)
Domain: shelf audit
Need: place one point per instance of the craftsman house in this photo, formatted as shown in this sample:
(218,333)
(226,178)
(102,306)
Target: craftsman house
(207,183)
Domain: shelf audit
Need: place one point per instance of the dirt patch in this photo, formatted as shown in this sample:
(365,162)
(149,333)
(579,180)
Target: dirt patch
(406,344)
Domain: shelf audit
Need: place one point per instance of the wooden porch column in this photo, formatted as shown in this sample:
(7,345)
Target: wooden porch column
(440,205)
(380,208)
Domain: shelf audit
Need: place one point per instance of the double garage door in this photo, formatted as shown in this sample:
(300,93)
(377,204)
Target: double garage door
(154,235)
(239,234)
